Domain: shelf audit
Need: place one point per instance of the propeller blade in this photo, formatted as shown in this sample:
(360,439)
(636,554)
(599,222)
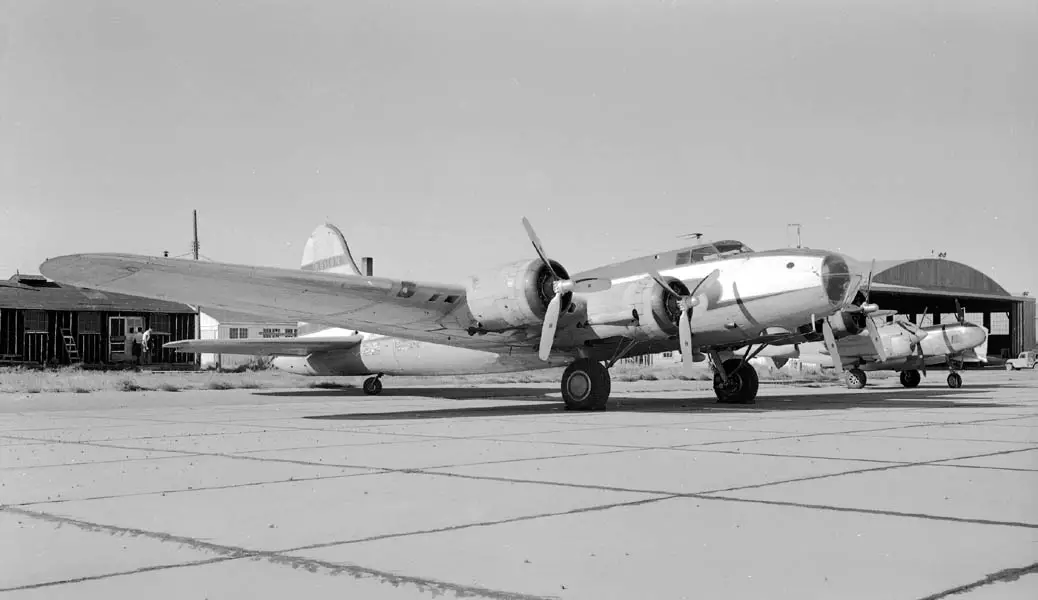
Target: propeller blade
(922,358)
(830,345)
(922,317)
(868,285)
(877,339)
(592,285)
(706,281)
(960,314)
(536,241)
(685,336)
(663,283)
(551,319)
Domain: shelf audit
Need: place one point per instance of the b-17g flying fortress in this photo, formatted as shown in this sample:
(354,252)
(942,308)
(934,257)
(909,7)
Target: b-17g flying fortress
(706,301)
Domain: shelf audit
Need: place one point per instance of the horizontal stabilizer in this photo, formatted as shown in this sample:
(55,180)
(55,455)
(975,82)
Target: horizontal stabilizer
(298,346)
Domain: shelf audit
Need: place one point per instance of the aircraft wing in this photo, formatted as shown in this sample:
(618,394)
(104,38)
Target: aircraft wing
(431,312)
(297,346)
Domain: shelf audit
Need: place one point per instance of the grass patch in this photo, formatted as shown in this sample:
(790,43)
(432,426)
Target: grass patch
(128,385)
(217,384)
(165,386)
(81,390)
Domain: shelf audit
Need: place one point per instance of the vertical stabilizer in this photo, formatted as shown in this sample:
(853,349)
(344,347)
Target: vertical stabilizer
(326,251)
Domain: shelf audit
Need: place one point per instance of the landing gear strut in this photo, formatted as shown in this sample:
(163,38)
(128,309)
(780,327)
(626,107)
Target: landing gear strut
(373,385)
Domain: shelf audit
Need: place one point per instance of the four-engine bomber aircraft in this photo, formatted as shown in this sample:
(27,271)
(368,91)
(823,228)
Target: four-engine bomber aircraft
(529,314)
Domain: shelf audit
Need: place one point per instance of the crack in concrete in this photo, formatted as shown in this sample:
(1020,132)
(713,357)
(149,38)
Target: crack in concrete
(1005,575)
(226,553)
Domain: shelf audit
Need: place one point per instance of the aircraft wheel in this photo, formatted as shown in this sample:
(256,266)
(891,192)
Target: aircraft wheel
(856,379)
(954,380)
(586,385)
(742,385)
(372,386)
(910,378)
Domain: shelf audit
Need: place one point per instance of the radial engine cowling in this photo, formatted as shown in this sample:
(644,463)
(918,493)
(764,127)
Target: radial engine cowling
(847,323)
(514,295)
(640,310)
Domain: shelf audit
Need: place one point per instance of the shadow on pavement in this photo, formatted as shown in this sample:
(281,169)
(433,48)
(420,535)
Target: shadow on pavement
(918,398)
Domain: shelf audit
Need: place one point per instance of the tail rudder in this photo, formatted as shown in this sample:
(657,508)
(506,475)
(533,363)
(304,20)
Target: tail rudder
(326,251)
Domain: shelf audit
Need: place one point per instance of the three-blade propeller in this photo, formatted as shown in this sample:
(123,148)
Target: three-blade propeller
(560,286)
(685,305)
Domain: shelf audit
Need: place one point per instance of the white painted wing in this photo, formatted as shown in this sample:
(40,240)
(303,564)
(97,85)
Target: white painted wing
(432,312)
(298,346)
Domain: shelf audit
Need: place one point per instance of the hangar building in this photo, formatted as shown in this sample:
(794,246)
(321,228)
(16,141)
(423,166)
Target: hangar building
(44,322)
(934,284)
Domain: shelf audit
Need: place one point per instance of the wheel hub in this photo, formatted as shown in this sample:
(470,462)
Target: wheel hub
(579,385)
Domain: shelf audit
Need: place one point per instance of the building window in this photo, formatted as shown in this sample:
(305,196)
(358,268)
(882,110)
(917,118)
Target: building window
(238,333)
(160,323)
(291,332)
(35,321)
(89,322)
(271,332)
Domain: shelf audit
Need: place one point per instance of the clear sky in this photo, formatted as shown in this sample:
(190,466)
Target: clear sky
(426,130)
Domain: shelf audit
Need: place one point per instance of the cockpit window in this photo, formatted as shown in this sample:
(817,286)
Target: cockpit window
(711,252)
(732,247)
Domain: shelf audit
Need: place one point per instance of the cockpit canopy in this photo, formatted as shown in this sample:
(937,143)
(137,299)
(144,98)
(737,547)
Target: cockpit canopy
(714,251)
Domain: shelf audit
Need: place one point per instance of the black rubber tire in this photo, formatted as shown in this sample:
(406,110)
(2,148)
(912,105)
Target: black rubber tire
(910,378)
(954,380)
(372,386)
(586,385)
(856,379)
(743,384)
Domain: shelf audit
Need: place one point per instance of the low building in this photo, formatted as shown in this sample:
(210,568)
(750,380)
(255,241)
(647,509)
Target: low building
(217,324)
(46,323)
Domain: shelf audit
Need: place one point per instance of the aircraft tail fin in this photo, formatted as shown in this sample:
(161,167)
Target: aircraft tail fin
(326,251)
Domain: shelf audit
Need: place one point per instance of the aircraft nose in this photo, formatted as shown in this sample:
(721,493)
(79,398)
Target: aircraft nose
(836,278)
(975,335)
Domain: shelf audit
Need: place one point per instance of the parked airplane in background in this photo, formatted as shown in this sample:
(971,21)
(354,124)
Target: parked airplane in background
(907,348)
(530,314)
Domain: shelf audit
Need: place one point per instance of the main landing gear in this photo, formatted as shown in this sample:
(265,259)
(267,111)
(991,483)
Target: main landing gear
(910,378)
(373,385)
(735,380)
(856,379)
(586,385)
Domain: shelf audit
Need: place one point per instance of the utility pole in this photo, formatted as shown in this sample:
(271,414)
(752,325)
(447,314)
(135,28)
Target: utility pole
(198,315)
(797,225)
(194,243)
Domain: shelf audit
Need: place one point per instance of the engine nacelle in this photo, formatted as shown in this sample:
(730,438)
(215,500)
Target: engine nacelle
(846,323)
(514,295)
(898,346)
(639,310)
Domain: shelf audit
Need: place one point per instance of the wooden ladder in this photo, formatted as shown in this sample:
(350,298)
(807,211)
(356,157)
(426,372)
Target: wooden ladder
(70,346)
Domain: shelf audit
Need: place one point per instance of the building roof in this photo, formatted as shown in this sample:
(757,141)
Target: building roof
(935,275)
(35,292)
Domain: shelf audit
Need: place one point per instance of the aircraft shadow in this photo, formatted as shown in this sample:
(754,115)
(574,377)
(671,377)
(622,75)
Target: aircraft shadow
(846,399)
(446,393)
